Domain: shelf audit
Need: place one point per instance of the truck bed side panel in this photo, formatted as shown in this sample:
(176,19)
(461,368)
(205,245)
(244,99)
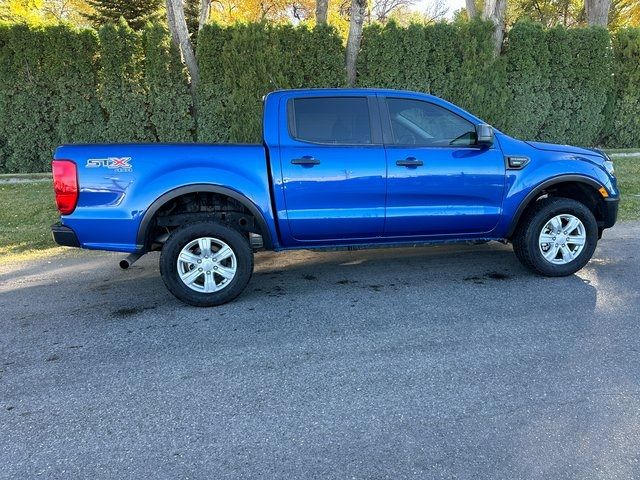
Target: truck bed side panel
(114,196)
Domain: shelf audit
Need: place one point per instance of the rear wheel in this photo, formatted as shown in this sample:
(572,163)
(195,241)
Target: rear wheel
(206,264)
(556,237)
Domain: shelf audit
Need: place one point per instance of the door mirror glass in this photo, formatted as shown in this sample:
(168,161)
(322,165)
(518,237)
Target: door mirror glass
(484,134)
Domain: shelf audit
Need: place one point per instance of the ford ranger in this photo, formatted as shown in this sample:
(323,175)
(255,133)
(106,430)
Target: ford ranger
(336,168)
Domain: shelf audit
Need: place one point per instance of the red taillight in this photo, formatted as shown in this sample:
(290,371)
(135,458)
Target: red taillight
(65,185)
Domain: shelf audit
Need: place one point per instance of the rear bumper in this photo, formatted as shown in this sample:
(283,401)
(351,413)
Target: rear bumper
(610,212)
(64,235)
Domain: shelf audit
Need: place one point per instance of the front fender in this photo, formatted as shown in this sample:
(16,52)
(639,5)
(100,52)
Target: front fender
(521,191)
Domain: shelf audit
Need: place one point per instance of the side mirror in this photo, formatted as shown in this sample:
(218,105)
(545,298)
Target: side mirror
(484,134)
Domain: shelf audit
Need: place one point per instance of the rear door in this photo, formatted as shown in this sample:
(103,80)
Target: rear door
(333,167)
(439,181)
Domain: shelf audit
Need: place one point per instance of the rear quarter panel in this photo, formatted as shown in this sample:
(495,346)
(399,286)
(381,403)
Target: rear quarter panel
(113,201)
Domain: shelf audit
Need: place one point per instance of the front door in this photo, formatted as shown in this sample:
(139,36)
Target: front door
(439,182)
(333,168)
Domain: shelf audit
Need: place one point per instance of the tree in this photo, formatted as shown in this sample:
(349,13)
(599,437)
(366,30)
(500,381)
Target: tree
(16,11)
(358,10)
(494,10)
(597,12)
(136,12)
(169,100)
(548,12)
(470,5)
(382,9)
(205,10)
(72,11)
(322,9)
(123,95)
(180,38)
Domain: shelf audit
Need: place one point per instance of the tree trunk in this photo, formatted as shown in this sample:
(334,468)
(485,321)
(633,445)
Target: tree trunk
(180,38)
(471,9)
(358,10)
(205,8)
(494,10)
(322,7)
(597,12)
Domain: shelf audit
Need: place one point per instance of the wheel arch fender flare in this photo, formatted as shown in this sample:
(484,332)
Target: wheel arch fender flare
(143,229)
(535,192)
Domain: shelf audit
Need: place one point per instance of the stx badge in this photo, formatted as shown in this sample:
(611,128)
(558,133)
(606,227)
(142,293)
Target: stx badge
(119,164)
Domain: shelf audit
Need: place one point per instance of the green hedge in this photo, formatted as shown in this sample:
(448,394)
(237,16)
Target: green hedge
(60,84)
(623,121)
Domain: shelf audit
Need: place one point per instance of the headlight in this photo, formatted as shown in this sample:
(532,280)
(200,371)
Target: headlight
(608,164)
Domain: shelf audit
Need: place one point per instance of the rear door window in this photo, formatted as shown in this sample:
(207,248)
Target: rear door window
(330,120)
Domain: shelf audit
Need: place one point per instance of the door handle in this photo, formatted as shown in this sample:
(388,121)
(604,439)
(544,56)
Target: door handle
(410,162)
(309,161)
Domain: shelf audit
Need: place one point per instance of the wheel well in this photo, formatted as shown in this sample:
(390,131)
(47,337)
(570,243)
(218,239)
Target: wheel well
(584,193)
(199,205)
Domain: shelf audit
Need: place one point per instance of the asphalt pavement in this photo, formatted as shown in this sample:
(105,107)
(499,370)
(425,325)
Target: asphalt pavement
(440,362)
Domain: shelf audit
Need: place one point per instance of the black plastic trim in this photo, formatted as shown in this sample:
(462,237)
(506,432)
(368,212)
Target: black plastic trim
(507,162)
(64,236)
(548,183)
(143,230)
(610,211)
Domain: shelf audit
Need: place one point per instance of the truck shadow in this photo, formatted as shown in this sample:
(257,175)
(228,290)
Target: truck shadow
(489,275)
(478,279)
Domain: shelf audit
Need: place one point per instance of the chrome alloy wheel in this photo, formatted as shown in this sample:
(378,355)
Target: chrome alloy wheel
(562,239)
(207,265)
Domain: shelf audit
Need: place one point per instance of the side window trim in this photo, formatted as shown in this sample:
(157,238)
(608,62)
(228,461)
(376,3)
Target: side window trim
(374,122)
(387,130)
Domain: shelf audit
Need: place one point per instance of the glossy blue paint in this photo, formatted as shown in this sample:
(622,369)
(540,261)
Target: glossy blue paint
(357,195)
(456,191)
(111,203)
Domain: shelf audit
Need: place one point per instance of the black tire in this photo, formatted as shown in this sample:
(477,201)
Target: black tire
(525,241)
(180,237)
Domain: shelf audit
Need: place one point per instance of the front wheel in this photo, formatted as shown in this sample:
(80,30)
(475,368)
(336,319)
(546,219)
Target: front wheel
(556,237)
(206,264)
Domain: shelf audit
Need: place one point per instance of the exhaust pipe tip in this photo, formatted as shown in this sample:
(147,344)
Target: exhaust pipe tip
(129,260)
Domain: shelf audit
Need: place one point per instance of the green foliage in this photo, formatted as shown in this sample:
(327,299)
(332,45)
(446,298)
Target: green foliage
(73,72)
(580,66)
(479,83)
(137,13)
(624,120)
(558,121)
(165,77)
(591,82)
(122,88)
(27,108)
(240,64)
(213,126)
(63,85)
(527,81)
(453,61)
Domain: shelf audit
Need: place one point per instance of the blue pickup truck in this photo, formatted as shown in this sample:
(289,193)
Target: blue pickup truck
(337,168)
